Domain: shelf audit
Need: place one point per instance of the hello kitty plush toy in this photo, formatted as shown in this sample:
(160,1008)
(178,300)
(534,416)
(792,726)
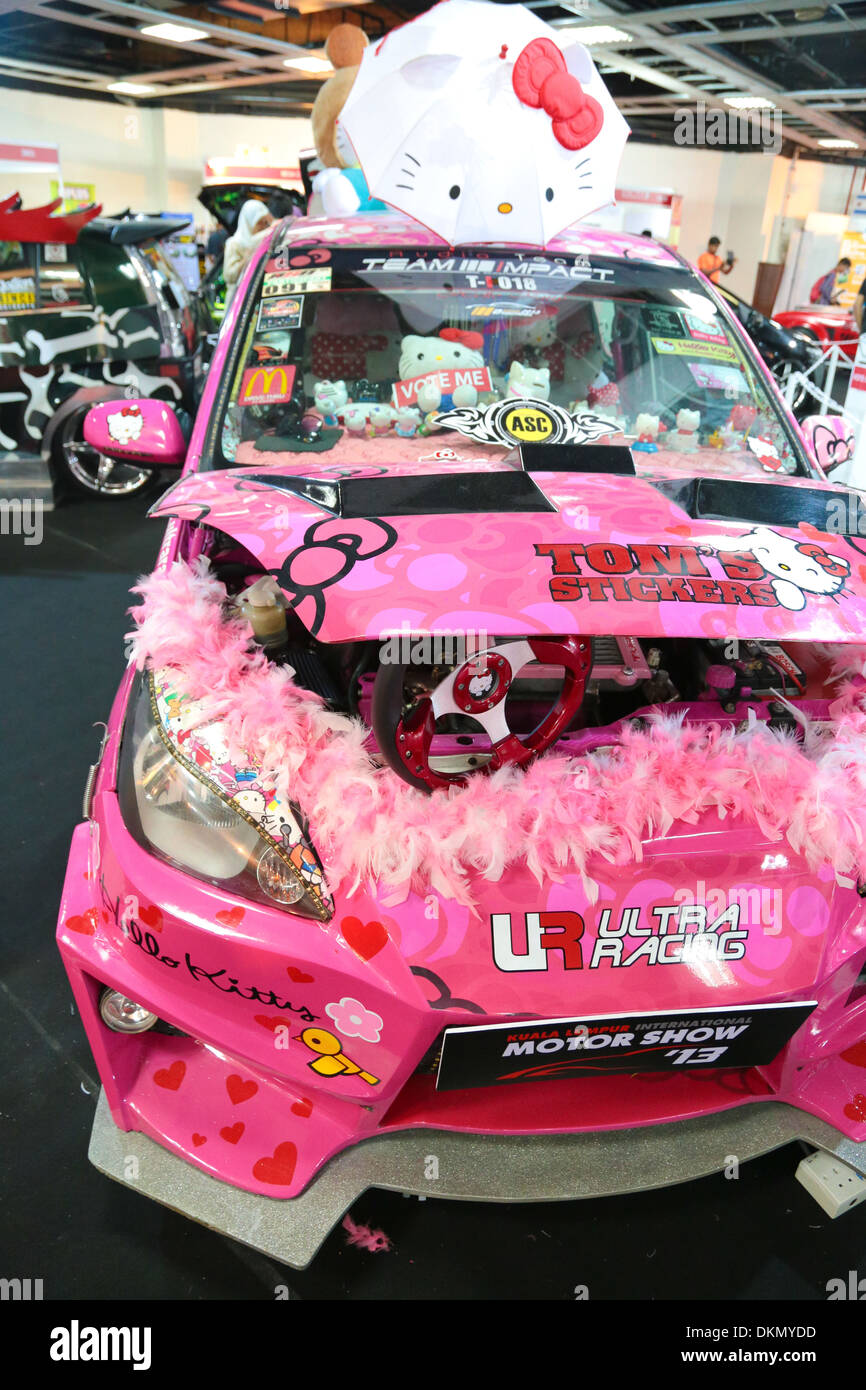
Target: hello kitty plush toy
(528,383)
(429,357)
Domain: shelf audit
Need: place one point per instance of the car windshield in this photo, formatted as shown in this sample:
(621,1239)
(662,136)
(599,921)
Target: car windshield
(386,357)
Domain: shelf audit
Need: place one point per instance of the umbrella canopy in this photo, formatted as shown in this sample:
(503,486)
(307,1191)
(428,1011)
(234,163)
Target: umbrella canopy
(484,124)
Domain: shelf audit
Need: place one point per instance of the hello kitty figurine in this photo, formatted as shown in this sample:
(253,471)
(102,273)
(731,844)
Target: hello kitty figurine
(380,418)
(528,383)
(684,439)
(355,417)
(647,430)
(407,421)
(330,398)
(451,349)
(798,568)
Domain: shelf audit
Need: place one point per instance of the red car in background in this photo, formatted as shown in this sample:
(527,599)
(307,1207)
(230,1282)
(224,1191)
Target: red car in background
(826,323)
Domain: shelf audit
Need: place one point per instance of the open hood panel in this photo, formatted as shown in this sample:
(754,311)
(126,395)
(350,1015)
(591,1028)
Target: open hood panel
(366,552)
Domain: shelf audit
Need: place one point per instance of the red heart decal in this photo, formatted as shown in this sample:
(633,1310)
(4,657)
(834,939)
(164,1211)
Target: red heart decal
(365,938)
(85,925)
(230,916)
(857,1109)
(199,1139)
(232,1133)
(151,917)
(271,1022)
(278,1169)
(170,1077)
(298,975)
(240,1090)
(856,1055)
(303,1108)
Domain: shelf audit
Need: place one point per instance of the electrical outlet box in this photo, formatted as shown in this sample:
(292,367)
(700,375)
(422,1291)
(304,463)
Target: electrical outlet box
(835,1186)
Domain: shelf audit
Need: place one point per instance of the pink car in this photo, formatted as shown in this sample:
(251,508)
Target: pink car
(483,810)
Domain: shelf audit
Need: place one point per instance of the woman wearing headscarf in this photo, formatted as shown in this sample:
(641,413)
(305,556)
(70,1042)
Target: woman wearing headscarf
(254,223)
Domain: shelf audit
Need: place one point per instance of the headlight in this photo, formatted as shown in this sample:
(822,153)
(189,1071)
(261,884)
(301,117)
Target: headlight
(177,815)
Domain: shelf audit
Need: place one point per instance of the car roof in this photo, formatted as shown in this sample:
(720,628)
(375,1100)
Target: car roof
(394,230)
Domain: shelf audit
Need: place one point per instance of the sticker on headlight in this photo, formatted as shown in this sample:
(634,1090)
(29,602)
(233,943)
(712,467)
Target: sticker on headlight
(241,781)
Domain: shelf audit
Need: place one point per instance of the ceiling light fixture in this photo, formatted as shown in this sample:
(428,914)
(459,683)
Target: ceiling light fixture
(748,103)
(175,33)
(311,64)
(839,144)
(600,33)
(130,89)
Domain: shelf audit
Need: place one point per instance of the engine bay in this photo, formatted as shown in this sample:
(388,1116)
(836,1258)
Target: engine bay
(442,707)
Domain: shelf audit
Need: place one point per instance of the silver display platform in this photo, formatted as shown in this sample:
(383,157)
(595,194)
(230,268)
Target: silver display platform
(478,1168)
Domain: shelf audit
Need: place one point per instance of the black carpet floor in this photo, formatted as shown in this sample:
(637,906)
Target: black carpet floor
(62,618)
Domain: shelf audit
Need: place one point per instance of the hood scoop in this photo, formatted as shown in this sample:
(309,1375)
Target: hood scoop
(762,504)
(426,494)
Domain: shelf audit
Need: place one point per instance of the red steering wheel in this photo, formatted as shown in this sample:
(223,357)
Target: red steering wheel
(478,688)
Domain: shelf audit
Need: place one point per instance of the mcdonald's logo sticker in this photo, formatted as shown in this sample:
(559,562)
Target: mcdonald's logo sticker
(267,385)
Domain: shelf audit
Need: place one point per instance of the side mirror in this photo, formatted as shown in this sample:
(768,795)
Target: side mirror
(830,440)
(137,431)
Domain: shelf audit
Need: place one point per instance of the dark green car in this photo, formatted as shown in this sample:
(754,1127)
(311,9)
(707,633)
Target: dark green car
(90,309)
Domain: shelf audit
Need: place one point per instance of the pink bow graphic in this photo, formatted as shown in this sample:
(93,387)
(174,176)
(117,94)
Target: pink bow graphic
(541,79)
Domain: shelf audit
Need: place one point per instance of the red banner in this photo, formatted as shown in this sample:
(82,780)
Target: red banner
(406,392)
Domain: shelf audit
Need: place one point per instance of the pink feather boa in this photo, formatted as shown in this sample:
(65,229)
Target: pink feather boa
(558,815)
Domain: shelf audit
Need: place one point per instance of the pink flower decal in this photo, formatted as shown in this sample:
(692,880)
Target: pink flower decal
(354,1021)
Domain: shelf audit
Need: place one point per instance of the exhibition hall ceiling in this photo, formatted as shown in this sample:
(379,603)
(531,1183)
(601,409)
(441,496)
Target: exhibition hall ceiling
(803,63)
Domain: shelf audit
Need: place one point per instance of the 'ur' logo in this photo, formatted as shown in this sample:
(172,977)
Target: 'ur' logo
(545,932)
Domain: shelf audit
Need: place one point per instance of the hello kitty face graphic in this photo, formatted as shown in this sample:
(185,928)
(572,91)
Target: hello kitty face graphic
(480,686)
(798,568)
(509,137)
(251,801)
(125,425)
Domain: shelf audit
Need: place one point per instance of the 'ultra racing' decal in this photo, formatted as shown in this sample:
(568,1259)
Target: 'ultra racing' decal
(760,568)
(246,785)
(515,422)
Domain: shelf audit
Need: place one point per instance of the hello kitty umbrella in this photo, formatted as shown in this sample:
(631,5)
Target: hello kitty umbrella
(484,124)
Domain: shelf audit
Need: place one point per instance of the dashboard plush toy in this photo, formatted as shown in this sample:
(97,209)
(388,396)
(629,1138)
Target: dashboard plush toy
(430,357)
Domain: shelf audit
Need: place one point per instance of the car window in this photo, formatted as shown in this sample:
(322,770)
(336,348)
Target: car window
(362,355)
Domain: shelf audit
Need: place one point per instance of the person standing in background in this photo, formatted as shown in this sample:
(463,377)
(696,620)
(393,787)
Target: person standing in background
(827,288)
(857,309)
(254,223)
(711,263)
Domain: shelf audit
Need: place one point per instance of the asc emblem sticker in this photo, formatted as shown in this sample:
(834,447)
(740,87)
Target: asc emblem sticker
(528,424)
(525,421)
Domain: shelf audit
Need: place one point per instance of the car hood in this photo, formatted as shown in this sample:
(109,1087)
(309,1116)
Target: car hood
(492,548)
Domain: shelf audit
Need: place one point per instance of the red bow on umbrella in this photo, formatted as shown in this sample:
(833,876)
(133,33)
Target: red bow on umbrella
(541,79)
(474,341)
